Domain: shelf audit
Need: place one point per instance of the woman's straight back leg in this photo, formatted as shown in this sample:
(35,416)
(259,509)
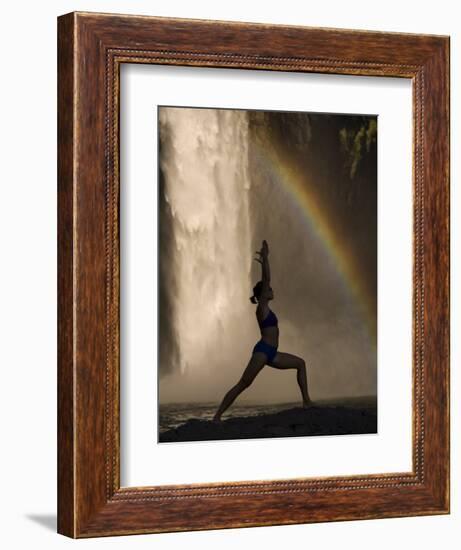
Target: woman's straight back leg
(254,366)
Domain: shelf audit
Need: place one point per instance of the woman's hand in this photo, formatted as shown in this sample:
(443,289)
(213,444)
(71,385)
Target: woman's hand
(263,253)
(265,248)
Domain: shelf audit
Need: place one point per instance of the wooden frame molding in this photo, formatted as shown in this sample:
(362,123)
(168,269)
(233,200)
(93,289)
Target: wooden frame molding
(91,48)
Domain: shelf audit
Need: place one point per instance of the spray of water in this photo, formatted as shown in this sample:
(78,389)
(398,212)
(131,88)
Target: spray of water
(205,166)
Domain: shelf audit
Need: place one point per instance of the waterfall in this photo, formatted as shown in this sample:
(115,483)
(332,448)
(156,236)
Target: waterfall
(204,164)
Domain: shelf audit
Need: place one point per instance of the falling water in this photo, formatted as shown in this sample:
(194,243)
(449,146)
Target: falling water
(205,168)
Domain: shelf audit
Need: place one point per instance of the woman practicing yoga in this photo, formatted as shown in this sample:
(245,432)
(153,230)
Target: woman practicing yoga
(265,351)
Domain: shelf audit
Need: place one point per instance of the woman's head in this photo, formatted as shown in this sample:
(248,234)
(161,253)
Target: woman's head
(258,291)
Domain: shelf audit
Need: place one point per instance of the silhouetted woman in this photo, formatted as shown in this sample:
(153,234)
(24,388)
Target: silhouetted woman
(265,351)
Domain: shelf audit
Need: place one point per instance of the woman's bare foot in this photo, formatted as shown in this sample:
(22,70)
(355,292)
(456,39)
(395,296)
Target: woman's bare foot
(307,404)
(217,419)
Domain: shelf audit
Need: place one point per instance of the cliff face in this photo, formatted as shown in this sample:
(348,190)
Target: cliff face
(317,420)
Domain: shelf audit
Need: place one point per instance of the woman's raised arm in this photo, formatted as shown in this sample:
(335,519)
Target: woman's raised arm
(264,261)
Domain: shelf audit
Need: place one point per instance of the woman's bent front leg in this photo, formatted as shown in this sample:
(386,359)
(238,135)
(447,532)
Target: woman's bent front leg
(284,360)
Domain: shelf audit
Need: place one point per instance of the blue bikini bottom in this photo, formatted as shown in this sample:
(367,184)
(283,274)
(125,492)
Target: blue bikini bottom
(266,348)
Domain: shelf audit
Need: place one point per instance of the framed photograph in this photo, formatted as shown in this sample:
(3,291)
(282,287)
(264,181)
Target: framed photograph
(226,176)
(253,255)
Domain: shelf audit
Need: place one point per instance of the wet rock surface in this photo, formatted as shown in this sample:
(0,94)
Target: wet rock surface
(316,420)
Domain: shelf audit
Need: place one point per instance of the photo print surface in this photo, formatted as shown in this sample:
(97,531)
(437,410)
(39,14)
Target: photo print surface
(267,274)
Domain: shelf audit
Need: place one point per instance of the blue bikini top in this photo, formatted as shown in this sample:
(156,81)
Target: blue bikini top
(270,321)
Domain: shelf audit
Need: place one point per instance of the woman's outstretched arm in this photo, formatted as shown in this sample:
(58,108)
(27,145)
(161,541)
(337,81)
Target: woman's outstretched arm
(266,273)
(264,261)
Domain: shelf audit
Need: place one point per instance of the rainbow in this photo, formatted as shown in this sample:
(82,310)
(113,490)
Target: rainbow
(302,193)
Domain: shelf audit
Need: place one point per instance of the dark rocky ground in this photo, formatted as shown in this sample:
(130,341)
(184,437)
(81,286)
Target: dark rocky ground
(317,420)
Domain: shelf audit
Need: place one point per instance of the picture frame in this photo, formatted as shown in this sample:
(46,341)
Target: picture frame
(91,49)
